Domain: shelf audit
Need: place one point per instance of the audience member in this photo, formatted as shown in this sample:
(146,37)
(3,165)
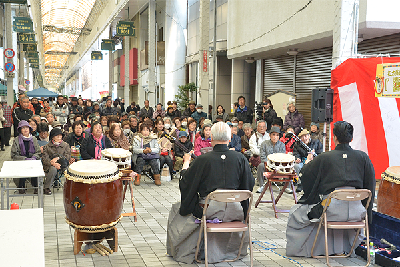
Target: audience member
(96,142)
(75,140)
(315,133)
(248,131)
(256,140)
(117,137)
(199,114)
(146,111)
(243,112)
(220,112)
(22,113)
(269,113)
(61,110)
(202,144)
(190,110)
(294,118)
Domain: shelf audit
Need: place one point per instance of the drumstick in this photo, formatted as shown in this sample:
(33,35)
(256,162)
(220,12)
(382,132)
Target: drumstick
(106,248)
(98,250)
(103,250)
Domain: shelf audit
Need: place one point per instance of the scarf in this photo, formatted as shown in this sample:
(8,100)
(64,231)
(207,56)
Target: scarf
(57,144)
(99,145)
(21,140)
(146,139)
(78,139)
(120,141)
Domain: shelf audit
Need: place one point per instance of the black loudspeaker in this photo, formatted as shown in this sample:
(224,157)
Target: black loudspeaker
(322,103)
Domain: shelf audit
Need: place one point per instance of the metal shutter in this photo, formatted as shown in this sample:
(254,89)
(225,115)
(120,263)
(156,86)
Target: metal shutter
(389,44)
(278,74)
(313,69)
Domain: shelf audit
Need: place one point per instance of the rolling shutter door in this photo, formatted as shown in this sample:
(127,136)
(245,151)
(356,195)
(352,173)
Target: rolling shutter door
(278,74)
(389,44)
(313,69)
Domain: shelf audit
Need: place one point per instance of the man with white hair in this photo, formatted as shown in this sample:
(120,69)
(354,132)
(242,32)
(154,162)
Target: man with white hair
(219,169)
(256,140)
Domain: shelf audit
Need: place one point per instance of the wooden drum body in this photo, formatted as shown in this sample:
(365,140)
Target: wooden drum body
(119,156)
(388,195)
(281,163)
(93,195)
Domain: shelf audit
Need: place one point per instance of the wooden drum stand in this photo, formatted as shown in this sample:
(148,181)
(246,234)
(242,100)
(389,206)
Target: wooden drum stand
(127,176)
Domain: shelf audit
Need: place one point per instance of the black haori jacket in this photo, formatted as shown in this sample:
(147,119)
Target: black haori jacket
(219,169)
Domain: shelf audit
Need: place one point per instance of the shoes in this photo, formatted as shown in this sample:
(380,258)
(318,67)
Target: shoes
(35,191)
(47,191)
(259,190)
(288,190)
(21,191)
(2,149)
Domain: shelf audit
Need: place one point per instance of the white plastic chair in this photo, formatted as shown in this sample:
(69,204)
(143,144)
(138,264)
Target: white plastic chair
(345,195)
(235,226)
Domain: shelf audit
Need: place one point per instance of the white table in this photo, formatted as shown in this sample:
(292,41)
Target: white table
(22,237)
(21,169)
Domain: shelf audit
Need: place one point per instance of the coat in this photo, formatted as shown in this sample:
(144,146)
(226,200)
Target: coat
(235,143)
(109,111)
(296,120)
(137,147)
(268,148)
(76,110)
(146,113)
(2,119)
(199,144)
(269,116)
(301,153)
(179,152)
(61,112)
(89,144)
(16,150)
(197,116)
(51,151)
(188,113)
(245,114)
(20,114)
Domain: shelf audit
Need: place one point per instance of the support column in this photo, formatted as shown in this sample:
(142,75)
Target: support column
(240,84)
(202,96)
(259,76)
(126,52)
(110,68)
(27,75)
(152,52)
(21,65)
(175,47)
(9,44)
(345,31)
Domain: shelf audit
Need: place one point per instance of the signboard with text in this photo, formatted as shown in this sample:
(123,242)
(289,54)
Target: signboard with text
(26,38)
(34,60)
(23,24)
(387,81)
(29,47)
(32,54)
(34,66)
(96,55)
(107,44)
(125,28)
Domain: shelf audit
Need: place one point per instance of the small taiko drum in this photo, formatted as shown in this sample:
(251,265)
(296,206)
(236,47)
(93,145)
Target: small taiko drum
(281,163)
(388,195)
(93,195)
(119,156)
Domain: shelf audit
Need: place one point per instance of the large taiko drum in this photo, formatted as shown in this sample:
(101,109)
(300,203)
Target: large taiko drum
(281,163)
(119,156)
(93,195)
(388,195)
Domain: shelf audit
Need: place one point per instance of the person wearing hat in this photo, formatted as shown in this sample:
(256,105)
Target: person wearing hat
(271,146)
(199,114)
(315,133)
(179,152)
(75,108)
(56,154)
(190,110)
(96,108)
(25,147)
(302,155)
(61,110)
(294,118)
(342,167)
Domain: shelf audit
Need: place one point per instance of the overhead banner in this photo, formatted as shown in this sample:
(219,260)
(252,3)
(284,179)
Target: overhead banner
(125,28)
(26,38)
(23,24)
(376,120)
(107,44)
(96,55)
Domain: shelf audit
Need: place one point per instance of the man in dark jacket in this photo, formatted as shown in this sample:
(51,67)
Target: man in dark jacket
(190,110)
(109,110)
(133,107)
(243,112)
(179,152)
(36,105)
(146,111)
(75,108)
(21,113)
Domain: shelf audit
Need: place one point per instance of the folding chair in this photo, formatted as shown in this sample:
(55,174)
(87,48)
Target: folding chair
(235,226)
(345,195)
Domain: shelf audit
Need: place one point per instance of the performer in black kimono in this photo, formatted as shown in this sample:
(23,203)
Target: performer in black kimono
(219,169)
(342,168)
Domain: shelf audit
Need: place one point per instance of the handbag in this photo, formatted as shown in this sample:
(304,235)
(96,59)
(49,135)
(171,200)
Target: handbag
(149,156)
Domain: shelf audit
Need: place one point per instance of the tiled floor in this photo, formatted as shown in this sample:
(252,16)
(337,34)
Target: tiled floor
(143,243)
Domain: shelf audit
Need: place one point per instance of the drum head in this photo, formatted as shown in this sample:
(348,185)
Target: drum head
(116,152)
(92,167)
(281,157)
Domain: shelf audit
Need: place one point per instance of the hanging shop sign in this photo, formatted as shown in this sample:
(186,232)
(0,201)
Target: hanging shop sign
(26,38)
(9,53)
(34,60)
(34,66)
(125,28)
(32,54)
(96,55)
(21,2)
(23,24)
(30,48)
(387,81)
(107,44)
(9,66)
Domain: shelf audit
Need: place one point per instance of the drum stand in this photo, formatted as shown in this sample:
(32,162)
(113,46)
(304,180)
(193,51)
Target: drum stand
(81,237)
(273,177)
(128,180)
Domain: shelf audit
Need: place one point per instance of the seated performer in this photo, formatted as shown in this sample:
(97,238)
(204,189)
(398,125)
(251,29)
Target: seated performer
(268,147)
(337,169)
(218,169)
